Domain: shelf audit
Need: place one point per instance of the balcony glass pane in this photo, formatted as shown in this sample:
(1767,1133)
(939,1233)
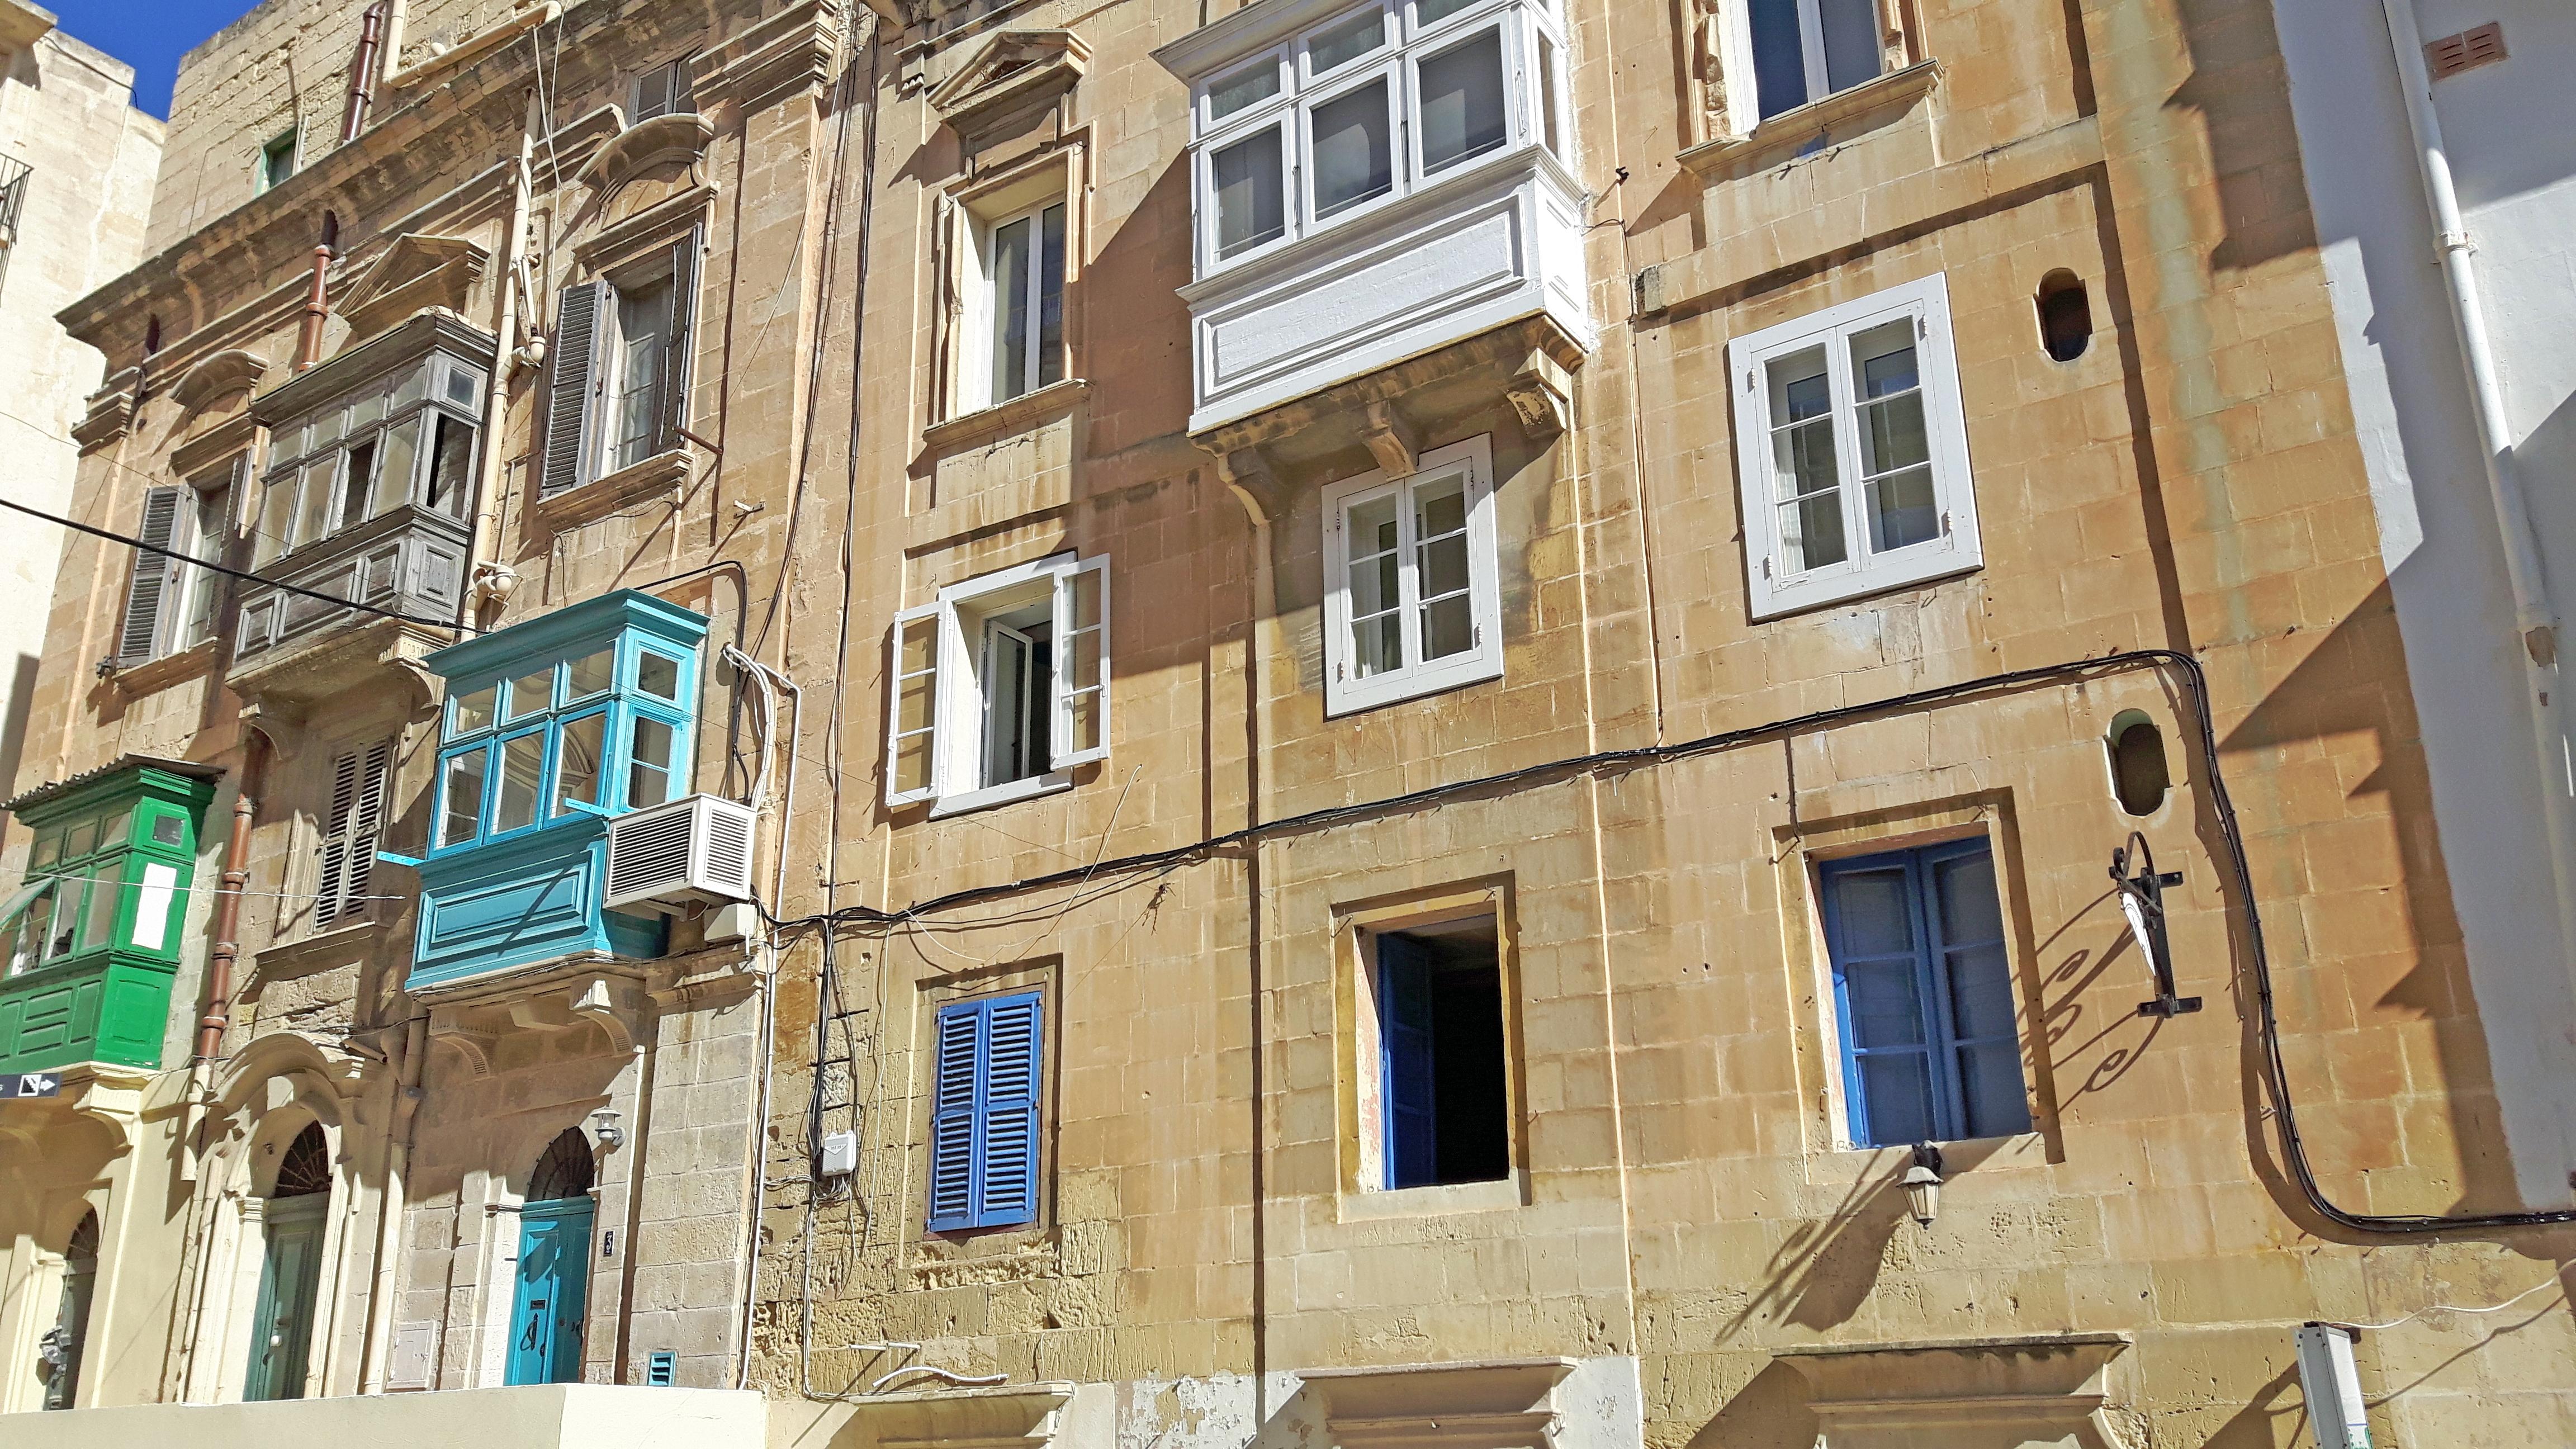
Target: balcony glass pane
(395,456)
(462,814)
(1432,12)
(473,710)
(1339,45)
(1462,101)
(409,389)
(99,927)
(591,674)
(1353,161)
(1242,89)
(450,464)
(522,767)
(320,479)
(531,694)
(648,772)
(1251,204)
(274,532)
(658,676)
(577,762)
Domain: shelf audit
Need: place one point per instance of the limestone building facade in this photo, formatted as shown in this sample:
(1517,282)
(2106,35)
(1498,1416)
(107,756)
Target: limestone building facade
(1396,723)
(76,167)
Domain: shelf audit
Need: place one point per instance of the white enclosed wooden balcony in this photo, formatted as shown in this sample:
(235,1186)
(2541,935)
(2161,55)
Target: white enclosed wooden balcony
(1372,182)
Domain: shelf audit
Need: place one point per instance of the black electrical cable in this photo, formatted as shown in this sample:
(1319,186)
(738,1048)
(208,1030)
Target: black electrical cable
(235,573)
(2275,1072)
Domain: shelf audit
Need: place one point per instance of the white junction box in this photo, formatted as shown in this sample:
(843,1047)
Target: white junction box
(840,1154)
(2333,1386)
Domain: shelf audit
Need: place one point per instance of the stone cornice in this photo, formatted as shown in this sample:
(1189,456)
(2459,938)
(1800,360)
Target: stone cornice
(792,50)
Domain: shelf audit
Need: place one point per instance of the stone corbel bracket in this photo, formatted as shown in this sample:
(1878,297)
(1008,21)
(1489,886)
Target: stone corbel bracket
(794,50)
(1542,393)
(1391,440)
(474,1032)
(1476,1404)
(616,1004)
(111,411)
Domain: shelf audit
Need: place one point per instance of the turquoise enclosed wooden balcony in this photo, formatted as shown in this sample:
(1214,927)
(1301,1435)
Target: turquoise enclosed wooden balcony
(551,728)
(89,939)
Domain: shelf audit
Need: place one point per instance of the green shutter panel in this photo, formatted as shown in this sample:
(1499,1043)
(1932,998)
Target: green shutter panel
(1008,1192)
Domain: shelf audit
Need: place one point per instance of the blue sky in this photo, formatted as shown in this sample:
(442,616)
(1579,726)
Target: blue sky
(149,35)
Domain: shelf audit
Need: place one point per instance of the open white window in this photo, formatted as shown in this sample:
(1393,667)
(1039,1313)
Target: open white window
(1411,601)
(1852,451)
(170,602)
(1010,255)
(1001,687)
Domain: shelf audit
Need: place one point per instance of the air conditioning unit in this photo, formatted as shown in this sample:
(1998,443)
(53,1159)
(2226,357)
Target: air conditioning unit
(693,851)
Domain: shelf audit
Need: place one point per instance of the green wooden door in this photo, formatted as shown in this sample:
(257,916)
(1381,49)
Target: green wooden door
(282,1327)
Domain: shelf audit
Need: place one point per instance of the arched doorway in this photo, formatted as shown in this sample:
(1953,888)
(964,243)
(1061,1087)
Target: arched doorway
(554,1265)
(290,1271)
(61,1347)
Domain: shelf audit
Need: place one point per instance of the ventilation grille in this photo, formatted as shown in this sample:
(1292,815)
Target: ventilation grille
(2467,50)
(729,850)
(662,1368)
(649,853)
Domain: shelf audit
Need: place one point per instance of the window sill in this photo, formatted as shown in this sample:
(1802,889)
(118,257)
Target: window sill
(1004,417)
(663,473)
(1847,1164)
(1801,596)
(996,795)
(1351,699)
(1420,1202)
(1897,87)
(169,669)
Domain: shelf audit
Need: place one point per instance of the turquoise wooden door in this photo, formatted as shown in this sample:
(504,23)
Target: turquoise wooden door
(282,1327)
(554,1292)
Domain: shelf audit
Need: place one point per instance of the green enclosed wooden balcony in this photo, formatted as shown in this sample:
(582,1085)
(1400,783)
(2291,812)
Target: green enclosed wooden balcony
(90,936)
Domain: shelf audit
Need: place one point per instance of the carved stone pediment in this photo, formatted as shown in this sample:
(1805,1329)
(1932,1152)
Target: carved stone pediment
(415,272)
(111,411)
(665,152)
(582,990)
(1475,1404)
(217,376)
(2042,1388)
(1014,76)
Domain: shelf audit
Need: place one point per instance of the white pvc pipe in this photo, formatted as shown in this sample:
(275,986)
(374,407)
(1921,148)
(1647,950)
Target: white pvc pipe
(2535,618)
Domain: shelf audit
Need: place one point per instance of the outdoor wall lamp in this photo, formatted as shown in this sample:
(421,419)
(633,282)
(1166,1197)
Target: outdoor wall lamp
(1923,1184)
(604,1122)
(2142,900)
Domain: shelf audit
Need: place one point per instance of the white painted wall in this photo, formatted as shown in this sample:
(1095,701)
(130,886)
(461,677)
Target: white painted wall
(2511,130)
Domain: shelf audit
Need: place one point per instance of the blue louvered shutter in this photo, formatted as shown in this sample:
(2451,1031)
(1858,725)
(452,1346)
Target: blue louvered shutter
(955,1100)
(1404,1038)
(1006,1191)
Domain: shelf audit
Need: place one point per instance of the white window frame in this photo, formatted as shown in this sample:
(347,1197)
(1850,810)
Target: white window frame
(1519,22)
(983,292)
(959,707)
(1344,691)
(1956,549)
(1744,79)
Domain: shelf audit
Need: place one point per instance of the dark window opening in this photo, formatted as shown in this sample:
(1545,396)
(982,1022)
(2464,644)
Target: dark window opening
(565,1169)
(2065,316)
(2139,774)
(1018,670)
(1446,1089)
(306,1168)
(59,1351)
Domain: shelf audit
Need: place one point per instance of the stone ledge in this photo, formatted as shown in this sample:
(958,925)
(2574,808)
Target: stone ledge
(1897,87)
(661,474)
(1005,417)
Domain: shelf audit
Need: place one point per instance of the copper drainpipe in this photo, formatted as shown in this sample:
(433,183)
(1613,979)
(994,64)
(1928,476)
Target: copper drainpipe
(228,899)
(317,302)
(362,71)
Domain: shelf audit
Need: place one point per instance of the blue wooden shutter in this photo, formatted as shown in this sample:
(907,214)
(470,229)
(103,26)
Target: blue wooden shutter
(1873,909)
(1982,1045)
(1007,1187)
(1404,1036)
(957,1095)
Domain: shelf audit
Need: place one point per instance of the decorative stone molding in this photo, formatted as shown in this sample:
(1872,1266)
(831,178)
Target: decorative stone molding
(371,655)
(473,48)
(1895,88)
(1002,419)
(1391,439)
(793,50)
(660,224)
(2047,1388)
(219,442)
(111,411)
(414,273)
(586,989)
(660,476)
(1476,1404)
(1010,1416)
(678,139)
(1492,364)
(1542,393)
(1008,81)
(159,674)
(218,375)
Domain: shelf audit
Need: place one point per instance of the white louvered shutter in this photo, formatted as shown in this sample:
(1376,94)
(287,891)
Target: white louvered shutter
(570,399)
(912,707)
(155,580)
(1081,732)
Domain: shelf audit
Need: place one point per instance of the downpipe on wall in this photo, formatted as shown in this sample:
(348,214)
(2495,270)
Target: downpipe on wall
(2535,618)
